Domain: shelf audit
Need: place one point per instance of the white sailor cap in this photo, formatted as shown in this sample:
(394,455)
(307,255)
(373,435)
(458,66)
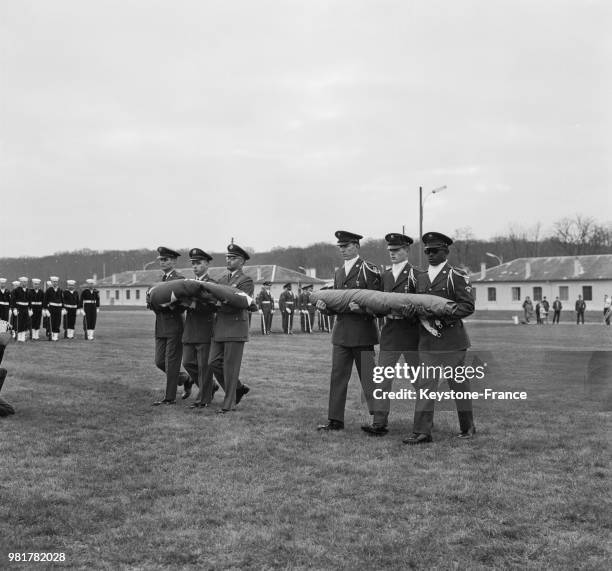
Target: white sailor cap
(16,283)
(54,278)
(23,279)
(70,282)
(90,281)
(2,280)
(35,281)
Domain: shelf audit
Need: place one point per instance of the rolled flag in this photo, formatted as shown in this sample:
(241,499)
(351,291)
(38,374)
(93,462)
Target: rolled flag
(186,293)
(386,303)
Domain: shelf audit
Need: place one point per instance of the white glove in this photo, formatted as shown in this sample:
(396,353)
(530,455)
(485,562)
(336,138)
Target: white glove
(273,311)
(287,310)
(64,312)
(15,312)
(98,310)
(80,312)
(261,311)
(30,312)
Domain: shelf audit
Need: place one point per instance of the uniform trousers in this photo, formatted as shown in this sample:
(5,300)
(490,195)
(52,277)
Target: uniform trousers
(23,319)
(56,318)
(36,317)
(287,322)
(342,366)
(168,356)
(424,408)
(224,362)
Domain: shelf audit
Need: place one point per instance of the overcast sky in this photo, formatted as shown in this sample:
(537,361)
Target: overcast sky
(128,124)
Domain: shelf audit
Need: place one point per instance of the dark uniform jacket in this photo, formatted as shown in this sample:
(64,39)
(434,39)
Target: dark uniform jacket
(452,284)
(36,297)
(169,322)
(71,299)
(52,297)
(265,300)
(232,323)
(5,304)
(287,300)
(91,296)
(19,299)
(400,334)
(356,329)
(199,320)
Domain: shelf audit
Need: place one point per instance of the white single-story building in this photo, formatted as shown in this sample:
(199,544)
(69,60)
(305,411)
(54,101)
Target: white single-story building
(506,286)
(130,288)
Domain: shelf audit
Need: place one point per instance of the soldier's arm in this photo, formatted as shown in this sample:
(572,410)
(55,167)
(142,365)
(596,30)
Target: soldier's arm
(463,295)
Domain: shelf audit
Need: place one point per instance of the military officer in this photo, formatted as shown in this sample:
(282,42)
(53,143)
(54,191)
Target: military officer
(286,303)
(265,303)
(354,334)
(197,333)
(53,306)
(230,332)
(20,306)
(89,306)
(71,304)
(448,350)
(5,301)
(35,296)
(169,332)
(305,307)
(400,333)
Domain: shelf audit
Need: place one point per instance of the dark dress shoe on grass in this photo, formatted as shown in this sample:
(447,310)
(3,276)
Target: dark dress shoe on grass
(467,434)
(198,405)
(240,392)
(165,401)
(415,438)
(375,429)
(222,411)
(331,425)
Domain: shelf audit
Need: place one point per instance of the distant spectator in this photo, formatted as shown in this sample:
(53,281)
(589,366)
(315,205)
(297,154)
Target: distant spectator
(607,309)
(544,308)
(580,309)
(538,312)
(528,309)
(557,307)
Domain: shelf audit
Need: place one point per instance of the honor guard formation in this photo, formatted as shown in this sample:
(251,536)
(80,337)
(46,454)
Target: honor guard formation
(24,310)
(206,335)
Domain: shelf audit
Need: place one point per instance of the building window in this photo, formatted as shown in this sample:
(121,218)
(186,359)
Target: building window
(116,294)
(516,294)
(108,294)
(537,293)
(137,294)
(128,293)
(563,293)
(587,293)
(491,294)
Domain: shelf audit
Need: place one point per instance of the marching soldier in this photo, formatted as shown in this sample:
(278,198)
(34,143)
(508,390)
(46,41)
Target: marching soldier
(89,306)
(354,335)
(265,303)
(12,316)
(20,306)
(400,333)
(286,304)
(53,307)
(36,296)
(71,304)
(169,333)
(230,333)
(197,333)
(306,308)
(449,349)
(5,301)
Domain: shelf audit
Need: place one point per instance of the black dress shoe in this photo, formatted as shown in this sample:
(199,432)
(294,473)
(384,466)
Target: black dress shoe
(375,429)
(222,411)
(331,425)
(198,405)
(415,438)
(240,392)
(467,434)
(187,388)
(165,401)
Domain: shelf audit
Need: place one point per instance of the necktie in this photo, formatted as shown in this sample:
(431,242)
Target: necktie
(229,276)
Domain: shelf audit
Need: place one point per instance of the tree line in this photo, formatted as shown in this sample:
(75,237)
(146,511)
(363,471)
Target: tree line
(579,235)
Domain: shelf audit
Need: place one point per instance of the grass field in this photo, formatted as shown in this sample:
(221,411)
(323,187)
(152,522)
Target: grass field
(90,469)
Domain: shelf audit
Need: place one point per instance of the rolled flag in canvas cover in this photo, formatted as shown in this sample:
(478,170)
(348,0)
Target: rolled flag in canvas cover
(169,294)
(386,303)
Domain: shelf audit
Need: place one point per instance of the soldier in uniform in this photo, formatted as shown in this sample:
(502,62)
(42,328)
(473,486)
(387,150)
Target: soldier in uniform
(5,301)
(12,316)
(169,332)
(354,335)
(449,349)
(230,332)
(265,303)
(286,304)
(53,306)
(400,333)
(89,306)
(303,303)
(71,304)
(36,296)
(197,333)
(20,306)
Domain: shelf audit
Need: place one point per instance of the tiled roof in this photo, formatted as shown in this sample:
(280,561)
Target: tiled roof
(554,268)
(259,274)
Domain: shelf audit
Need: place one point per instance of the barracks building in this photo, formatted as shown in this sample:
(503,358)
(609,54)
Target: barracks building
(506,286)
